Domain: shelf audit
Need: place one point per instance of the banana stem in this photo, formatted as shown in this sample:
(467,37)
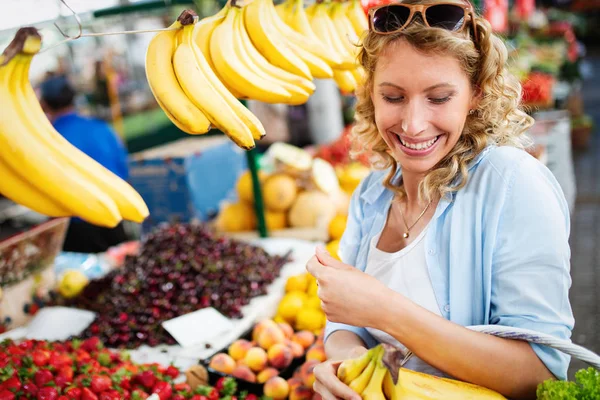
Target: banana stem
(26,40)
(187,17)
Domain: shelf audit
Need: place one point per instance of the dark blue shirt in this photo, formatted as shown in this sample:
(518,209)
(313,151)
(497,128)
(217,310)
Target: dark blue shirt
(96,139)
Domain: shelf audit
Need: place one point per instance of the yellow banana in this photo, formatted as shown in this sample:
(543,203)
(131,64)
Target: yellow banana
(22,192)
(297,19)
(31,161)
(165,87)
(231,66)
(345,80)
(131,205)
(323,26)
(374,389)
(359,74)
(344,29)
(299,88)
(269,42)
(357,17)
(389,389)
(200,84)
(282,11)
(360,383)
(350,369)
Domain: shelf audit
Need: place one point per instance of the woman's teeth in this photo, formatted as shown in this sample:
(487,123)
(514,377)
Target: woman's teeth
(419,146)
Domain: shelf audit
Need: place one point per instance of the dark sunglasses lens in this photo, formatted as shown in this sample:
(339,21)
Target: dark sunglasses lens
(445,16)
(391,18)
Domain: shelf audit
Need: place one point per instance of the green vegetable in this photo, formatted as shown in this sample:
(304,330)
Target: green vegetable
(586,387)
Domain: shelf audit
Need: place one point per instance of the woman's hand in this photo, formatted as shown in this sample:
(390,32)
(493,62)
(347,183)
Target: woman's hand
(347,294)
(327,383)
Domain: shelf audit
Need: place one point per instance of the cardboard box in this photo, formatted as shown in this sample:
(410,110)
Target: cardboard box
(186,179)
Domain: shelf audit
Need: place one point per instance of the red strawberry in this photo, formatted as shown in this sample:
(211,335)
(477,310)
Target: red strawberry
(63,398)
(47,393)
(220,384)
(214,394)
(125,384)
(42,377)
(182,387)
(40,357)
(197,397)
(110,395)
(13,384)
(62,381)
(26,345)
(178,397)
(138,395)
(146,378)
(87,394)
(29,388)
(67,372)
(91,344)
(172,371)
(6,395)
(100,383)
(163,390)
(15,350)
(251,396)
(74,393)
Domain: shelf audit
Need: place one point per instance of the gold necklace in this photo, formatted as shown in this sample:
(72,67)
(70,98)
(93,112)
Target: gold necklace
(406,234)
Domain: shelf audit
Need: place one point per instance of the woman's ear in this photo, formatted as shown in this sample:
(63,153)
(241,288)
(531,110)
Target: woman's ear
(476,98)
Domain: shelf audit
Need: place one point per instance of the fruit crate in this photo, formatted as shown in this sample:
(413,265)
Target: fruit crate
(26,273)
(244,385)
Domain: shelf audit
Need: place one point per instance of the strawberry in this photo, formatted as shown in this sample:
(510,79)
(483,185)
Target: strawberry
(13,384)
(87,394)
(100,383)
(139,395)
(73,393)
(62,381)
(178,397)
(226,386)
(251,396)
(40,357)
(63,398)
(92,344)
(146,378)
(47,393)
(163,390)
(125,383)
(6,395)
(26,345)
(110,395)
(172,371)
(197,397)
(42,377)
(213,394)
(30,389)
(67,372)
(182,387)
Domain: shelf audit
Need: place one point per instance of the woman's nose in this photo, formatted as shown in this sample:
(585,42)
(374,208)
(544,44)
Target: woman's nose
(414,119)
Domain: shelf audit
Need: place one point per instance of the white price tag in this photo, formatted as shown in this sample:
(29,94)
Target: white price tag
(198,327)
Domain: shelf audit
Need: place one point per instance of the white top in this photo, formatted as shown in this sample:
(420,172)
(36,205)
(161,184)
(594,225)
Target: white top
(405,272)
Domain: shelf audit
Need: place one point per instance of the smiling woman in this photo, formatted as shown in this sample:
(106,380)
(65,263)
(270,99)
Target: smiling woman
(458,225)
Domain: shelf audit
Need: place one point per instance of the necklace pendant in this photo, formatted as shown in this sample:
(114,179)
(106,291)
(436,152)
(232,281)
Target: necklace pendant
(405,235)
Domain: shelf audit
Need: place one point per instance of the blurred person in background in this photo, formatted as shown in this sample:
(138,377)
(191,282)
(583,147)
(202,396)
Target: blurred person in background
(96,139)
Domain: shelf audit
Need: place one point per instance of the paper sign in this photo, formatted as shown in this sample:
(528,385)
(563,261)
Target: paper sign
(58,323)
(197,327)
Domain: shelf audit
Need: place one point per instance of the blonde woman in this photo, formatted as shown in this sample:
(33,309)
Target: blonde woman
(459,225)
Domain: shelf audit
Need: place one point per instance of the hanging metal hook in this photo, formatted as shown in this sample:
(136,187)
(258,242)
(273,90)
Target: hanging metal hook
(78,23)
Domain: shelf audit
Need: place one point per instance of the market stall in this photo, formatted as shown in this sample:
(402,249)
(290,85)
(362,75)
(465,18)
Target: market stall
(213,302)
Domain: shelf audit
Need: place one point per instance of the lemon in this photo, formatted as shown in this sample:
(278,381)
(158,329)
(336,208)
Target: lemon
(290,305)
(309,319)
(337,226)
(297,282)
(72,283)
(313,302)
(312,288)
(333,248)
(278,318)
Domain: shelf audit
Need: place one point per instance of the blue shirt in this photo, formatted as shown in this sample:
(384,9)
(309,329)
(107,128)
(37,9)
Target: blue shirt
(96,139)
(497,250)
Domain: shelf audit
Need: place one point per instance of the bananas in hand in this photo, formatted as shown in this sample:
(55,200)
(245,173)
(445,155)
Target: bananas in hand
(42,170)
(377,375)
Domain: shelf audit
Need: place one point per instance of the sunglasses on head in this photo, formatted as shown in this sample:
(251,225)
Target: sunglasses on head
(392,18)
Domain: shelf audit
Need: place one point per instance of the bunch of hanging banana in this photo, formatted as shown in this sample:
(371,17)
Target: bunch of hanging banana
(38,167)
(377,375)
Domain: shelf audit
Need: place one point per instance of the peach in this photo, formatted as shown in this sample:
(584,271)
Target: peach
(223,363)
(287,329)
(316,352)
(280,356)
(297,349)
(240,362)
(301,392)
(304,338)
(238,349)
(270,336)
(294,382)
(260,326)
(306,372)
(245,373)
(276,388)
(266,374)
(256,359)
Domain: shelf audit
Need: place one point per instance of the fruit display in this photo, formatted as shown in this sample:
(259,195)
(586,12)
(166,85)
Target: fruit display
(377,375)
(337,153)
(38,161)
(84,370)
(537,89)
(300,192)
(180,268)
(199,70)
(300,307)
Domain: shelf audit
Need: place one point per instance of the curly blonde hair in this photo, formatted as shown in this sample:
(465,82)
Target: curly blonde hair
(498,119)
